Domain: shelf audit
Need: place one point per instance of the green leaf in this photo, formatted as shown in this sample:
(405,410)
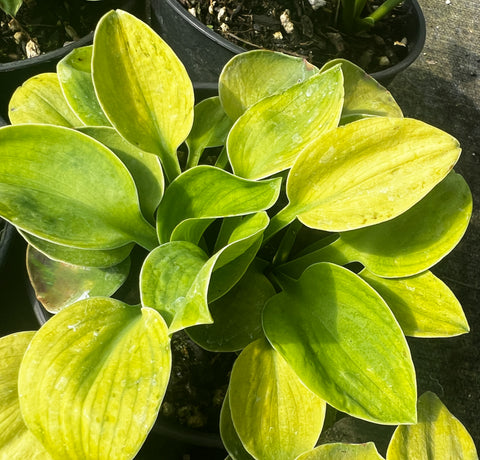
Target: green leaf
(210,128)
(75,76)
(206,192)
(366,172)
(58,284)
(344,343)
(93,378)
(275,415)
(174,281)
(423,305)
(438,435)
(249,77)
(10,7)
(144,167)
(229,436)
(417,239)
(63,186)
(270,135)
(40,100)
(342,451)
(16,440)
(142,87)
(237,315)
(99,258)
(364,96)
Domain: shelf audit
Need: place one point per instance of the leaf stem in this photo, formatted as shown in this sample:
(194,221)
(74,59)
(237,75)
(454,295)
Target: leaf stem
(170,164)
(383,9)
(279,221)
(222,160)
(287,243)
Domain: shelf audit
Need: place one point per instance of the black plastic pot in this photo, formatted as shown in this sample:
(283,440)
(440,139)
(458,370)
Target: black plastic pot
(13,74)
(204,52)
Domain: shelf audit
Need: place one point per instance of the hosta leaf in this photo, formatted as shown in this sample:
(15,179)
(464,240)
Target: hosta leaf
(93,378)
(85,257)
(438,435)
(271,134)
(236,315)
(364,96)
(75,76)
(62,186)
(275,415)
(210,128)
(40,100)
(206,192)
(144,167)
(16,440)
(11,7)
(249,77)
(366,172)
(58,284)
(423,305)
(174,280)
(342,451)
(344,343)
(417,239)
(142,87)
(229,436)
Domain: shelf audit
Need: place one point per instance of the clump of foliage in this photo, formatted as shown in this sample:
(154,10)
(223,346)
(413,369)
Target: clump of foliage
(305,248)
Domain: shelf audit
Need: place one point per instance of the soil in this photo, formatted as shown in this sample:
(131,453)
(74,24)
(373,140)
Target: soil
(45,25)
(313,35)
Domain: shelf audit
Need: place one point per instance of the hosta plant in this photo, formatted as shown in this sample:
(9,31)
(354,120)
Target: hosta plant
(293,220)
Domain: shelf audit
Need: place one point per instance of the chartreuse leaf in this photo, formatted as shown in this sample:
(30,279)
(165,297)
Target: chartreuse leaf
(268,137)
(249,77)
(210,128)
(342,451)
(366,172)
(93,378)
(206,192)
(229,436)
(344,343)
(364,96)
(100,258)
(58,284)
(142,87)
(423,305)
(40,100)
(16,440)
(438,435)
(283,418)
(11,7)
(65,187)
(75,76)
(144,167)
(174,280)
(236,315)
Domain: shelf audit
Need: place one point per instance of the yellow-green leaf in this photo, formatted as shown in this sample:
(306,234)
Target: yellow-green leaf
(438,435)
(342,451)
(93,378)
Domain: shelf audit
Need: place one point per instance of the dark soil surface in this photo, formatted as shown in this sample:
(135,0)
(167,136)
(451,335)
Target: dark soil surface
(308,33)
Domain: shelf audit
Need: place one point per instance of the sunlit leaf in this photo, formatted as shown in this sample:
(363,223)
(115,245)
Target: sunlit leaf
(58,284)
(210,128)
(364,96)
(142,87)
(249,77)
(40,100)
(75,76)
(206,192)
(16,440)
(93,378)
(65,187)
(344,343)
(438,435)
(236,315)
(144,167)
(283,418)
(342,451)
(423,305)
(270,135)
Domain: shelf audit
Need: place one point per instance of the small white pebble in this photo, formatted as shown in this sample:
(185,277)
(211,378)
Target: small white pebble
(384,61)
(192,12)
(447,2)
(287,24)
(316,4)
(224,27)
(277,35)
